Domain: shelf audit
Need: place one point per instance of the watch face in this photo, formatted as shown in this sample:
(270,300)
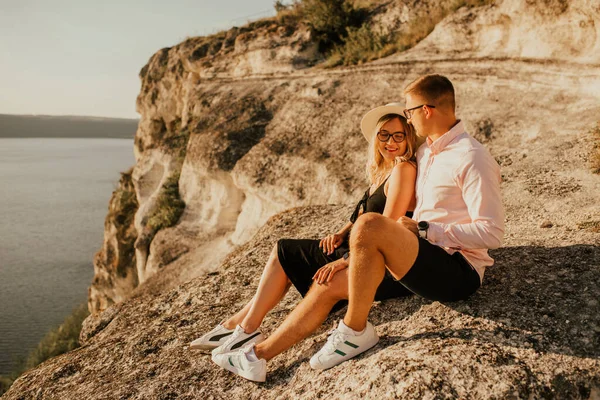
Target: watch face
(423,225)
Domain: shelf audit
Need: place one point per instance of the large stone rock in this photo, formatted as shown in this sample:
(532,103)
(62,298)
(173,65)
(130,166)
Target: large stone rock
(531,331)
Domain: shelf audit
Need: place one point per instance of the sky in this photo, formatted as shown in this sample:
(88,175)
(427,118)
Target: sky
(82,57)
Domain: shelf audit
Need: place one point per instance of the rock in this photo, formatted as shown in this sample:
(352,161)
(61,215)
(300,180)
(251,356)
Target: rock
(546,224)
(494,345)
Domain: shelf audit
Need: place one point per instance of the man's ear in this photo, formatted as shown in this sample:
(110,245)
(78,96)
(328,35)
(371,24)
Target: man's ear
(428,111)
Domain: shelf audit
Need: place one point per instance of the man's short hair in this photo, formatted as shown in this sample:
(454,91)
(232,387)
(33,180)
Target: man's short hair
(435,89)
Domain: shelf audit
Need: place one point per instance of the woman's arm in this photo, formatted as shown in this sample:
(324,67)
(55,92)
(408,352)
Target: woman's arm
(401,191)
(345,230)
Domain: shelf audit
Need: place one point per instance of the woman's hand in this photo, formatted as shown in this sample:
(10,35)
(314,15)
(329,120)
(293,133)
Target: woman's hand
(330,243)
(325,273)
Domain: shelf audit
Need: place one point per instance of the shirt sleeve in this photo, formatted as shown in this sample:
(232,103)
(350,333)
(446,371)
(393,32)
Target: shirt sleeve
(479,178)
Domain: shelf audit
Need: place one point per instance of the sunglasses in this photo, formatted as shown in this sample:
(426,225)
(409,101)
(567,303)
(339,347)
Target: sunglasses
(408,112)
(384,136)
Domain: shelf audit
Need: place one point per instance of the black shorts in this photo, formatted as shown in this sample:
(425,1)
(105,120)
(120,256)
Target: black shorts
(439,276)
(435,274)
(302,258)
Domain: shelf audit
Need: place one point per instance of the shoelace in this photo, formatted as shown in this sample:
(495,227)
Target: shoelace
(232,338)
(335,338)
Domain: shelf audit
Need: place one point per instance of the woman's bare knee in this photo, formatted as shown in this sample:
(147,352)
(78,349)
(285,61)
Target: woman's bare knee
(336,289)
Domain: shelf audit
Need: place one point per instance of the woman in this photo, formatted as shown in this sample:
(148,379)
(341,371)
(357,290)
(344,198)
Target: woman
(391,170)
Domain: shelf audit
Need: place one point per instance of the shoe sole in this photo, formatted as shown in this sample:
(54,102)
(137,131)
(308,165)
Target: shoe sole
(203,348)
(346,358)
(226,365)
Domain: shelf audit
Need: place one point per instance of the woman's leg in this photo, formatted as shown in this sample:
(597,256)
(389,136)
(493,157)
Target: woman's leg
(273,285)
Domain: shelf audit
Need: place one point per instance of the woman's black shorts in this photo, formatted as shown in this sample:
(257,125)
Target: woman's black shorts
(435,275)
(302,258)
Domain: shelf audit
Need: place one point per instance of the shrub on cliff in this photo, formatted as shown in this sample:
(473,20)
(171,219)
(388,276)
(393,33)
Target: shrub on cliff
(362,43)
(124,203)
(121,212)
(168,207)
(330,19)
(327,19)
(58,341)
(5,383)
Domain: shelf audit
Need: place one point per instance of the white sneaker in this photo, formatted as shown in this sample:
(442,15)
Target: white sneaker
(243,362)
(213,339)
(343,344)
(238,339)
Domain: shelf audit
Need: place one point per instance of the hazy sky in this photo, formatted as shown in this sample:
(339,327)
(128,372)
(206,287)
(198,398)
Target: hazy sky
(82,57)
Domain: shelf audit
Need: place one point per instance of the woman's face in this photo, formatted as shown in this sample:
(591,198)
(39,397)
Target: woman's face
(390,149)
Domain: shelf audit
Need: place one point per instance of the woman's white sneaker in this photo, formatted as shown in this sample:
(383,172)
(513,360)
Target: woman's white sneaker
(243,362)
(238,339)
(342,344)
(213,339)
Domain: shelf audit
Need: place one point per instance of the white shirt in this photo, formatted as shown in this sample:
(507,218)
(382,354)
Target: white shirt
(458,193)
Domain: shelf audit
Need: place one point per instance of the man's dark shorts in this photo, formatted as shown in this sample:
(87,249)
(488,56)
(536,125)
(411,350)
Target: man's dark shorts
(439,276)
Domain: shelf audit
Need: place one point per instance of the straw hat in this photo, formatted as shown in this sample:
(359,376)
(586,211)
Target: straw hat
(369,121)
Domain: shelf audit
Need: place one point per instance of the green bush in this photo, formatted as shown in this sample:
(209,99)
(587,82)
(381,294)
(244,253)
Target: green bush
(58,341)
(168,207)
(176,143)
(279,6)
(331,20)
(125,206)
(327,19)
(360,45)
(5,383)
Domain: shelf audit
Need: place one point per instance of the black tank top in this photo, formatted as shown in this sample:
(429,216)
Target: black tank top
(373,203)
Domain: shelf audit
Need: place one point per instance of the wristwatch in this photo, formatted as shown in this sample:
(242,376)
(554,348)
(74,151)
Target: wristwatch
(423,226)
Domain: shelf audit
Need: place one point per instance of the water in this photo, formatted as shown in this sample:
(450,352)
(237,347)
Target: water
(54,196)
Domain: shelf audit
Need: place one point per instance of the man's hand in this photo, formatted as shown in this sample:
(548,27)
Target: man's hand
(330,243)
(325,273)
(409,224)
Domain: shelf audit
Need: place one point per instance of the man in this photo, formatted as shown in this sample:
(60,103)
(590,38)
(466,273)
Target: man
(440,254)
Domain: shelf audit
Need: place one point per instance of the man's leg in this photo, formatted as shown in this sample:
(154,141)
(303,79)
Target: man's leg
(376,242)
(306,317)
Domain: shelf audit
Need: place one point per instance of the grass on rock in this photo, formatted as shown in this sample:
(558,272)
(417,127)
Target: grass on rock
(58,341)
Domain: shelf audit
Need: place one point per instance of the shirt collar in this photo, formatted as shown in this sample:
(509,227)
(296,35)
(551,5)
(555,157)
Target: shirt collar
(438,145)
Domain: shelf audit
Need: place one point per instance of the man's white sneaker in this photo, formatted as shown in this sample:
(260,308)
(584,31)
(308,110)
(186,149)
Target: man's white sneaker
(342,344)
(213,339)
(243,362)
(238,339)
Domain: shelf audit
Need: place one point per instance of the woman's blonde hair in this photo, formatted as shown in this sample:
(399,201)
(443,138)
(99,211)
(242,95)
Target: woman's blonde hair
(377,167)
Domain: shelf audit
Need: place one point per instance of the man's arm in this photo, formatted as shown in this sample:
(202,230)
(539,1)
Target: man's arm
(478,176)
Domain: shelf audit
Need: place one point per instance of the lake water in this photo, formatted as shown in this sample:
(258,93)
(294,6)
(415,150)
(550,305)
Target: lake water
(54,197)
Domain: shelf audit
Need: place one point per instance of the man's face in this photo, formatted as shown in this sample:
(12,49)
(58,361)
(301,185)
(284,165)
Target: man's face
(417,118)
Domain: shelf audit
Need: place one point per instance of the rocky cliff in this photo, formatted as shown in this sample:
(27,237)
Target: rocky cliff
(245,124)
